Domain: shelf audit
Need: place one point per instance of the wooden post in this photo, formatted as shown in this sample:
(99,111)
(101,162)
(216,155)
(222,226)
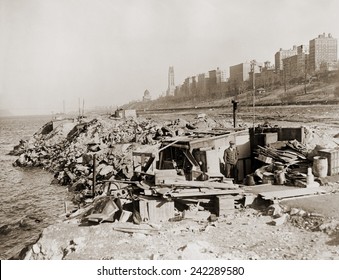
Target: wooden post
(94,174)
(235,107)
(253,64)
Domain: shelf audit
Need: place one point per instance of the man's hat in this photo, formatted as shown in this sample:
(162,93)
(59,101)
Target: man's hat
(232,142)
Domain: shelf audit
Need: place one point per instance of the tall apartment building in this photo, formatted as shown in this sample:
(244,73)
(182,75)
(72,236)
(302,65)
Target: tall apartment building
(171,85)
(214,77)
(282,54)
(202,84)
(186,87)
(303,49)
(323,53)
(224,75)
(240,72)
(194,85)
(177,91)
(295,67)
(267,76)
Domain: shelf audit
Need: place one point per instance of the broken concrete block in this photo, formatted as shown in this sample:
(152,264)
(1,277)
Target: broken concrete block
(302,213)
(22,161)
(36,248)
(280,221)
(87,159)
(249,199)
(294,211)
(275,210)
(81,168)
(106,170)
(197,215)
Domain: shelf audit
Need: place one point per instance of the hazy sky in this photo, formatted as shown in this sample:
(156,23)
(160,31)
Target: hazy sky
(110,51)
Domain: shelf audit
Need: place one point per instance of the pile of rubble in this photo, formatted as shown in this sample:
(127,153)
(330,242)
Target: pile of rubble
(68,148)
(55,146)
(94,159)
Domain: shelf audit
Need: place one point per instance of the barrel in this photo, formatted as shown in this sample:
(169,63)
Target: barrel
(280,177)
(250,180)
(320,166)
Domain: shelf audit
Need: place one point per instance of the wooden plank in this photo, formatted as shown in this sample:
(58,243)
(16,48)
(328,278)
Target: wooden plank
(143,210)
(200,184)
(291,193)
(202,193)
(131,228)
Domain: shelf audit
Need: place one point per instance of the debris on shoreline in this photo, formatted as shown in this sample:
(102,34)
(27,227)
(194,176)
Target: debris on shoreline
(140,172)
(95,158)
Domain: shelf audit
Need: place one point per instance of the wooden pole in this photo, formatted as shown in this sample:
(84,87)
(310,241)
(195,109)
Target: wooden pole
(235,107)
(253,63)
(94,174)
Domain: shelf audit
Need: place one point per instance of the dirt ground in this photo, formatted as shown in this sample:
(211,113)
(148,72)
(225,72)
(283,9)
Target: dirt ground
(245,234)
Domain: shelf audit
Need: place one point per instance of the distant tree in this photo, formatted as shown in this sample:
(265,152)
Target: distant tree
(336,91)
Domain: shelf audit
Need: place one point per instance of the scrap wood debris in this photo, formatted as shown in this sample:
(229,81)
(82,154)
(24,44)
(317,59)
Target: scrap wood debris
(289,154)
(99,152)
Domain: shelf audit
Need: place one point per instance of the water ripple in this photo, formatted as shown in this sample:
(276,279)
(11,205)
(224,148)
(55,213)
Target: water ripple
(28,202)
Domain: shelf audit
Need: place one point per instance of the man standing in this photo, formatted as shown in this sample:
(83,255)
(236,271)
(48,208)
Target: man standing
(231,156)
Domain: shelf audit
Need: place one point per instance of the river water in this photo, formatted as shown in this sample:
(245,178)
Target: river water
(28,202)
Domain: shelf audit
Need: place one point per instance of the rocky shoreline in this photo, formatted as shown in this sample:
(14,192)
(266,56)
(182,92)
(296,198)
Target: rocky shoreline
(67,149)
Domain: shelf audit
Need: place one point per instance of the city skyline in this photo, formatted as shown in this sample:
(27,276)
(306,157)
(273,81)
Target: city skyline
(109,52)
(297,61)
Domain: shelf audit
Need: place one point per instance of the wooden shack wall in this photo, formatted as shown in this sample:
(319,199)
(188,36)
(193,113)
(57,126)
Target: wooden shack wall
(258,136)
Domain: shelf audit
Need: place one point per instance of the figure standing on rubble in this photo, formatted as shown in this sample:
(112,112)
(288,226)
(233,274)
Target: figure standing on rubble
(231,156)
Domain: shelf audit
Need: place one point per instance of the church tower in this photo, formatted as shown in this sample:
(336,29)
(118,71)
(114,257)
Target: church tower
(171,85)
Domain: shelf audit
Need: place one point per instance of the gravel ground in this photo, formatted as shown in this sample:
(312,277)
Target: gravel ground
(246,235)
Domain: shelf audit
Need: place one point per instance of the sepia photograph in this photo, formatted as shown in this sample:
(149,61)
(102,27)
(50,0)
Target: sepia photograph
(201,130)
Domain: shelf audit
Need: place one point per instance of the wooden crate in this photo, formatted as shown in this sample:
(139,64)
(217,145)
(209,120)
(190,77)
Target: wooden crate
(224,204)
(155,210)
(332,159)
(270,137)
